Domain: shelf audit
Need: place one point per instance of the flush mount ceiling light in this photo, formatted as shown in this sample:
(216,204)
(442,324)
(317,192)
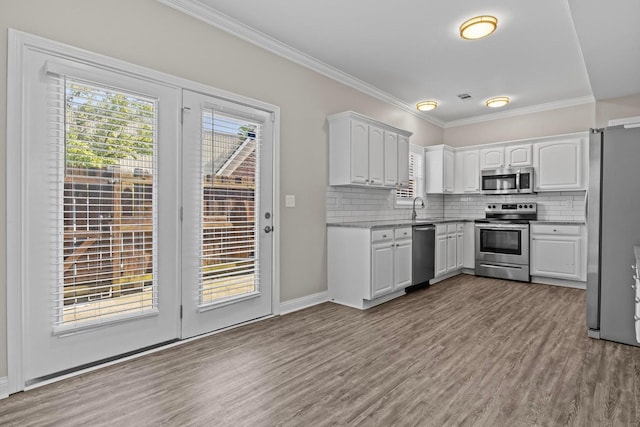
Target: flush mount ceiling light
(499,101)
(427,105)
(478,27)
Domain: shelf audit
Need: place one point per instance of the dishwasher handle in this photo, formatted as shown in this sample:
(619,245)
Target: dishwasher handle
(426,228)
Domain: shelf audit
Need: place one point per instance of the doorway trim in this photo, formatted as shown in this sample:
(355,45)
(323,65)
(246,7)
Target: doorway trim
(15,287)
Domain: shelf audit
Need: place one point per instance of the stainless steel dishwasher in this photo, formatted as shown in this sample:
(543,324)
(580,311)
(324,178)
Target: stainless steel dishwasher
(423,255)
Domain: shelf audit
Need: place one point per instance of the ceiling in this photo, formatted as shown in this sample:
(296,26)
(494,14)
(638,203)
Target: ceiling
(545,53)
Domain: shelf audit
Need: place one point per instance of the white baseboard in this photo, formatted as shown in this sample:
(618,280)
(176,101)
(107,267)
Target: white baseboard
(303,302)
(4,387)
(558,282)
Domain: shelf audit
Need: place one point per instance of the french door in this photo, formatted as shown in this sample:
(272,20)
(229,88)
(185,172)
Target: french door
(130,238)
(227,218)
(100,220)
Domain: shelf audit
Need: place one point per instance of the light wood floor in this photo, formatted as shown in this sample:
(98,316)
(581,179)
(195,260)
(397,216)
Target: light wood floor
(467,351)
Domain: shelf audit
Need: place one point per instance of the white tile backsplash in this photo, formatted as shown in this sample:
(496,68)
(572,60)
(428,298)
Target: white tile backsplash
(348,204)
(557,205)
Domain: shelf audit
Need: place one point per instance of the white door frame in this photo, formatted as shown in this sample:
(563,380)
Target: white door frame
(19,42)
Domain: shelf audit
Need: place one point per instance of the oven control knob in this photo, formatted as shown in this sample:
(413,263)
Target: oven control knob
(531,206)
(520,206)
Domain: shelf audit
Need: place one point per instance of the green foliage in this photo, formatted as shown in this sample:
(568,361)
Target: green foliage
(103,126)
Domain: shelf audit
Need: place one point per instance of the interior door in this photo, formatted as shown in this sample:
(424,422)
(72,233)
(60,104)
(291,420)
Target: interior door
(99,278)
(227,244)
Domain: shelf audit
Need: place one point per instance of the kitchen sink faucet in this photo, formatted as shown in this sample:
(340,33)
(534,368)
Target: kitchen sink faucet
(414,214)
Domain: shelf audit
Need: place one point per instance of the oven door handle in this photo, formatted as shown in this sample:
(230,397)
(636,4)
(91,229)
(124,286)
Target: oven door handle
(518,181)
(502,226)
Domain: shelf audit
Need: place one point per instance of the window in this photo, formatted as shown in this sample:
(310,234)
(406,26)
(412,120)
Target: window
(405,196)
(106,159)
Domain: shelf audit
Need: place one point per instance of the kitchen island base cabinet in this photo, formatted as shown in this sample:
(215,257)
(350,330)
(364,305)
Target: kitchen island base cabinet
(366,267)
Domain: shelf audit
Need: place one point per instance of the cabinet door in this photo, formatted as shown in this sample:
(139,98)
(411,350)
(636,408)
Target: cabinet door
(559,165)
(469,246)
(470,173)
(441,255)
(381,268)
(359,152)
(556,256)
(448,171)
(518,155)
(376,155)
(390,159)
(403,161)
(492,158)
(459,250)
(451,252)
(402,267)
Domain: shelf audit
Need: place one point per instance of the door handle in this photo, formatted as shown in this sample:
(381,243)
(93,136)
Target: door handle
(268,229)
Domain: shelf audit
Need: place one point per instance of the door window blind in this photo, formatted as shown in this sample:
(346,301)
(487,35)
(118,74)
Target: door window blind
(228,223)
(105,164)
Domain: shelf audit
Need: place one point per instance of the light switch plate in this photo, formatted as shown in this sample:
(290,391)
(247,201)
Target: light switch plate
(290,201)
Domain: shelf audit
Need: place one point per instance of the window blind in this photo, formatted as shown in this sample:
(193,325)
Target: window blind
(104,163)
(416,176)
(230,187)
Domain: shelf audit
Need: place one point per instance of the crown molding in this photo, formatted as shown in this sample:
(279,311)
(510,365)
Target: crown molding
(198,10)
(572,102)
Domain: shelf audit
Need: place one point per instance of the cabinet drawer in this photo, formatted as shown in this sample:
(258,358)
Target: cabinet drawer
(403,233)
(452,228)
(565,230)
(460,227)
(382,235)
(441,229)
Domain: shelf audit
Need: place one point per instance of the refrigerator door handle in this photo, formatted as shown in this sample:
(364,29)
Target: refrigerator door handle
(586,206)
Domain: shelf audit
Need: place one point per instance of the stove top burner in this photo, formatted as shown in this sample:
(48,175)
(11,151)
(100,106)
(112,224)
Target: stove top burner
(510,213)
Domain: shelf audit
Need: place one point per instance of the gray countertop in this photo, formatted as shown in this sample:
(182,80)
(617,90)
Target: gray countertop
(422,221)
(560,222)
(397,222)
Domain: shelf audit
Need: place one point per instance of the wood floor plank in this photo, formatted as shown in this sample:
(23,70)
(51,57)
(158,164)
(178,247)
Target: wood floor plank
(468,351)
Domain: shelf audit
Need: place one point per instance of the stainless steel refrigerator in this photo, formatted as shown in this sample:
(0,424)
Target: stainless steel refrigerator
(613,221)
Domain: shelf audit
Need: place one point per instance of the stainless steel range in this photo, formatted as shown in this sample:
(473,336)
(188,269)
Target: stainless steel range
(502,240)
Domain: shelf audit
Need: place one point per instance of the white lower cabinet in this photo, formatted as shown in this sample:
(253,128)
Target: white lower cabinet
(366,267)
(441,254)
(449,248)
(402,264)
(558,251)
(381,268)
(469,253)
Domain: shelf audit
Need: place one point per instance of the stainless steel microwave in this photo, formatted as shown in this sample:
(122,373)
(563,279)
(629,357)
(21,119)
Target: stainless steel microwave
(507,181)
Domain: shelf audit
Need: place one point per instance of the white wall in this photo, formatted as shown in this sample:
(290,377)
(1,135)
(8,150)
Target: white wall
(546,123)
(147,33)
(617,108)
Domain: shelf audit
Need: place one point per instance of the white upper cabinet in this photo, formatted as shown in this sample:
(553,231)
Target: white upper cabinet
(365,152)
(376,155)
(390,158)
(492,158)
(518,155)
(467,171)
(560,164)
(359,152)
(439,169)
(403,161)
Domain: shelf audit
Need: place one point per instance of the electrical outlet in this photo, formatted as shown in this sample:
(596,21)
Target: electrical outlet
(290,201)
